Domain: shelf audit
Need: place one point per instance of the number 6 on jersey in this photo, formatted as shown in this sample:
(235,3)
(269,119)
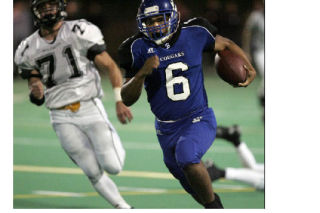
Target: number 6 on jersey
(171,81)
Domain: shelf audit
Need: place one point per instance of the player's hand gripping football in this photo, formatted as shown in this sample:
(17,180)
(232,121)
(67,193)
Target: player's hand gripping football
(123,113)
(251,74)
(150,64)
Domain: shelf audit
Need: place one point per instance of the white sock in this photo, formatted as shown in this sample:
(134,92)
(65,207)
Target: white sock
(259,167)
(109,191)
(247,158)
(248,176)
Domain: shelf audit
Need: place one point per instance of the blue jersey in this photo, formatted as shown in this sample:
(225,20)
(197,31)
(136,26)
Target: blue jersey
(176,88)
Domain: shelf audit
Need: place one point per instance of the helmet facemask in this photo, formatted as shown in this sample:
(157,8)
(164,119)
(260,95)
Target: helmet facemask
(48,12)
(167,23)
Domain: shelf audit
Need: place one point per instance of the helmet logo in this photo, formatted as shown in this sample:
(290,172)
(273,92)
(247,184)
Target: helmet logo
(151,10)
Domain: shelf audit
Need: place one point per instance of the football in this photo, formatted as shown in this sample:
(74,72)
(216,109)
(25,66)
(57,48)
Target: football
(230,67)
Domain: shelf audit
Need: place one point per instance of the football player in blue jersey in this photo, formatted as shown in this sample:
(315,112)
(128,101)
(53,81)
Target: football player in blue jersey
(166,58)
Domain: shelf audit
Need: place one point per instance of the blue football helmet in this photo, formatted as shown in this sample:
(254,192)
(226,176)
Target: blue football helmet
(167,10)
(48,20)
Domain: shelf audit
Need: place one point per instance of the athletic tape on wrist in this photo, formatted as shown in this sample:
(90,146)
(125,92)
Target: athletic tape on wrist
(117,94)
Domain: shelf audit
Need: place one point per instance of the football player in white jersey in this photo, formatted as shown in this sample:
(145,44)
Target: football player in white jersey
(61,62)
(253,43)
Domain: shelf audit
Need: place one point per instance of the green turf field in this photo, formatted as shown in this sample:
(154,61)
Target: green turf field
(44,177)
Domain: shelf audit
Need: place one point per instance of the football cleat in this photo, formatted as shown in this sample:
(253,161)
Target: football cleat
(119,206)
(231,134)
(215,173)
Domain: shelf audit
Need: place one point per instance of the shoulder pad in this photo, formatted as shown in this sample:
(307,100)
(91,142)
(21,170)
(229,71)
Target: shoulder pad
(21,58)
(87,31)
(127,43)
(20,52)
(202,22)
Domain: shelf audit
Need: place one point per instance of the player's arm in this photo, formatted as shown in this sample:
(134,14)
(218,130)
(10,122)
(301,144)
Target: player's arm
(106,64)
(36,88)
(131,90)
(222,43)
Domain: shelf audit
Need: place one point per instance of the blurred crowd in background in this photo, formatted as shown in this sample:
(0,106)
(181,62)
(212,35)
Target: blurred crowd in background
(117,19)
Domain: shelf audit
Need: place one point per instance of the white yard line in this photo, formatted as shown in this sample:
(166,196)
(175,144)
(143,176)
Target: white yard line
(39,142)
(65,170)
(124,190)
(59,194)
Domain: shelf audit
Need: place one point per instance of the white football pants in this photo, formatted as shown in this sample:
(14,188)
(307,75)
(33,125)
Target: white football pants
(90,140)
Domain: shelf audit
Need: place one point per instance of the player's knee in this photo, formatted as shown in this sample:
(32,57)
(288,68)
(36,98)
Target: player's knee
(190,166)
(113,168)
(187,162)
(186,153)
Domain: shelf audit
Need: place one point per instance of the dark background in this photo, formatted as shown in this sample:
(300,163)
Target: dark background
(117,19)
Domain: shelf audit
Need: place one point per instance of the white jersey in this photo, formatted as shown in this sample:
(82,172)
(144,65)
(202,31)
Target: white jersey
(255,24)
(66,71)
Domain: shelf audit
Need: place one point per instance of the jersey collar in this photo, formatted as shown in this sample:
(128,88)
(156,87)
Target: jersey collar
(172,40)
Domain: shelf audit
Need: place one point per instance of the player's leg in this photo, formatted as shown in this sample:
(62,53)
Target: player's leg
(191,146)
(77,146)
(200,182)
(233,135)
(196,177)
(247,158)
(167,136)
(106,142)
(249,176)
(178,173)
(107,147)
(245,175)
(215,172)
(259,167)
(109,191)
